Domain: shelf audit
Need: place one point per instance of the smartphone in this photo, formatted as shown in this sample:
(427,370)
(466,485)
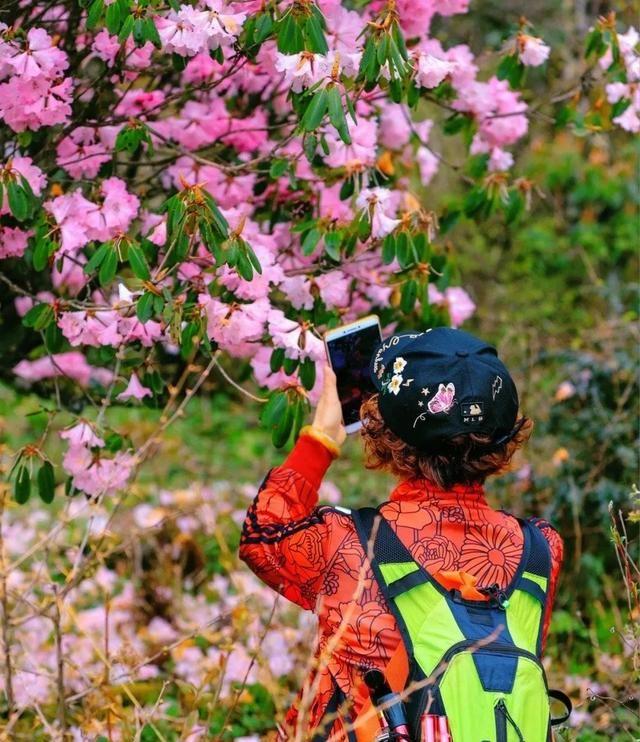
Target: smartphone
(349,350)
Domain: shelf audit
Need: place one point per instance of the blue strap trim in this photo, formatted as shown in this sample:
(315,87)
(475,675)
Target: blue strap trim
(533,589)
(400,586)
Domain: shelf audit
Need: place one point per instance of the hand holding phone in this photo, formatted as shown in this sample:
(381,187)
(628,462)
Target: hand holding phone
(328,417)
(349,349)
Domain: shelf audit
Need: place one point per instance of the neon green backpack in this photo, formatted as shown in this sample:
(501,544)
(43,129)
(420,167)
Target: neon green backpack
(475,662)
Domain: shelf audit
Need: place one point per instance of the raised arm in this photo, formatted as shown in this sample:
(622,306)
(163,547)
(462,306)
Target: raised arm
(286,537)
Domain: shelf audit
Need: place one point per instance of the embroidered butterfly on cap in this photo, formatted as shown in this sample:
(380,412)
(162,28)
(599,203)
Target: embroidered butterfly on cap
(442,383)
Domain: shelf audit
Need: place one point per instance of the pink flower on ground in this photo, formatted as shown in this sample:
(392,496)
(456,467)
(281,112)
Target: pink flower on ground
(532,51)
(134,389)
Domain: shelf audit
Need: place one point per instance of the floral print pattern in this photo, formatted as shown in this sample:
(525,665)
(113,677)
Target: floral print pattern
(312,556)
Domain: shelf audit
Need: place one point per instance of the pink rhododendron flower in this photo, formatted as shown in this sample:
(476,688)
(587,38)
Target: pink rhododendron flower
(82,434)
(235,328)
(431,71)
(300,70)
(72,365)
(13,242)
(32,103)
(96,475)
(40,57)
(189,31)
(362,150)
(532,51)
(296,341)
(456,300)
(82,153)
(395,129)
(377,202)
(134,390)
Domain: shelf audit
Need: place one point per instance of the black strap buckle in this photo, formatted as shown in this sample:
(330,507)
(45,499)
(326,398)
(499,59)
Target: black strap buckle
(497,595)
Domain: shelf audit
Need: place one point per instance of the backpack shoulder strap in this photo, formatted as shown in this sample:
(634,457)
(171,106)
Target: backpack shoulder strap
(383,547)
(536,571)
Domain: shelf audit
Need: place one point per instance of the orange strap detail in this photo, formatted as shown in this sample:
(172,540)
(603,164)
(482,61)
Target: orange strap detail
(396,673)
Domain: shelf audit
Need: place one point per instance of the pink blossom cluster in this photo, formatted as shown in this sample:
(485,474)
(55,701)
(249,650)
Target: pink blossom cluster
(33,91)
(629,119)
(218,121)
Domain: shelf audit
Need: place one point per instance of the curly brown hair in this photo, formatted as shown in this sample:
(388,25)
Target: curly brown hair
(465,459)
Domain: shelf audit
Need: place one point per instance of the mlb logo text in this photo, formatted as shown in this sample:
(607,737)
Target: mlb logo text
(472,412)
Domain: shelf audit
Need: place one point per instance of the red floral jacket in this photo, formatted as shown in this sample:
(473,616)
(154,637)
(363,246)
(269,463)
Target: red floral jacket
(312,556)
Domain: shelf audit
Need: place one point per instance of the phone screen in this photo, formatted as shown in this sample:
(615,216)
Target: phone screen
(350,356)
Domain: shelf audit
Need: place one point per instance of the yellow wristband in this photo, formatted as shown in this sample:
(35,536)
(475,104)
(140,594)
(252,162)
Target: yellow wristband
(326,440)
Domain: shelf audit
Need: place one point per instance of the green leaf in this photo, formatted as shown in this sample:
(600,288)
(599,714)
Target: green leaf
(38,316)
(310,241)
(276,360)
(278,168)
(243,266)
(22,485)
(264,27)
(307,373)
(144,306)
(273,409)
(336,114)
(151,33)
(409,295)
(511,69)
(315,111)
(18,202)
(421,245)
(138,262)
(46,482)
(43,249)
(310,145)
(253,258)
(388,249)
(113,18)
(346,189)
(53,338)
(289,365)
(455,123)
(282,429)
(314,37)
(98,256)
(403,251)
(515,206)
(95,13)
(332,242)
(448,220)
(299,414)
(127,27)
(475,201)
(289,33)
(108,267)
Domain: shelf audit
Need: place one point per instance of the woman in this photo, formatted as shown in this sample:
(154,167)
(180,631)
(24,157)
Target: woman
(444,418)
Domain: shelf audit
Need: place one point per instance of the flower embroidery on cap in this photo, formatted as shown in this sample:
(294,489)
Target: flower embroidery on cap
(399,364)
(443,399)
(395,383)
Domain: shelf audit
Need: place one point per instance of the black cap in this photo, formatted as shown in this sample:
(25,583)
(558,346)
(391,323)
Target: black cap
(441,383)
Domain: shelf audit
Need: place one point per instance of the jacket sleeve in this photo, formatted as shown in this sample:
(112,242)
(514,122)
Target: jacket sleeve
(286,536)
(557,557)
